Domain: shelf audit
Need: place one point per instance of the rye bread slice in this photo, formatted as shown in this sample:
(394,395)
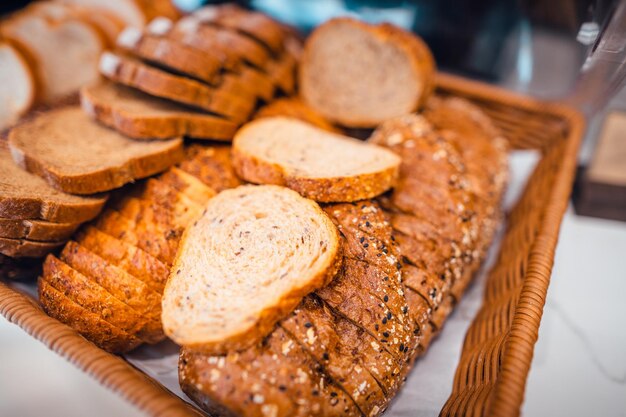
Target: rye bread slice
(140,116)
(358,75)
(320,165)
(77,155)
(24,248)
(134,73)
(100,332)
(18,94)
(38,230)
(26,196)
(245,251)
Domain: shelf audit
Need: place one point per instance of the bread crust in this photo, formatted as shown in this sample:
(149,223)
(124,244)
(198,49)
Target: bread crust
(296,108)
(24,248)
(36,229)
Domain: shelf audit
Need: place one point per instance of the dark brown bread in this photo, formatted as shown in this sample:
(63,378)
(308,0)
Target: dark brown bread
(23,248)
(38,230)
(77,155)
(26,196)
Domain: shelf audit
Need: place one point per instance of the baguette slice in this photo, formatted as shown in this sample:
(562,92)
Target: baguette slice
(359,75)
(26,196)
(245,264)
(141,116)
(320,165)
(17,91)
(36,229)
(77,155)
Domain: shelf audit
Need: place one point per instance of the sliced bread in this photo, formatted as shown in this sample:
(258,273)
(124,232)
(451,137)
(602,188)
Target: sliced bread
(320,165)
(36,229)
(359,75)
(77,155)
(128,11)
(64,47)
(134,73)
(296,108)
(26,196)
(17,91)
(140,116)
(24,248)
(244,264)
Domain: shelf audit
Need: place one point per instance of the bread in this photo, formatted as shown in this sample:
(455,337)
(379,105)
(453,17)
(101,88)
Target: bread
(212,166)
(106,23)
(36,229)
(156,82)
(129,11)
(358,75)
(319,165)
(90,325)
(141,116)
(187,184)
(24,196)
(43,31)
(222,266)
(76,155)
(294,107)
(18,95)
(24,248)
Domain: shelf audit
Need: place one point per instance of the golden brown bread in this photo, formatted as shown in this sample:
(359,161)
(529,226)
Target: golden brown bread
(296,108)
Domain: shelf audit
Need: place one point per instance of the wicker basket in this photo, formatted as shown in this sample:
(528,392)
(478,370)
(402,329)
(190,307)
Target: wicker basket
(498,348)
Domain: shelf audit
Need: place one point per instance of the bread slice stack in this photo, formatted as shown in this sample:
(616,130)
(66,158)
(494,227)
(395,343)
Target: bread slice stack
(216,69)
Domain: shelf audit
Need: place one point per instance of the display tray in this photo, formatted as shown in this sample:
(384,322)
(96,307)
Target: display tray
(498,349)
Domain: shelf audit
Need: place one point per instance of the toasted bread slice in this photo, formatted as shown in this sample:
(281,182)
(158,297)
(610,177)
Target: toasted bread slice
(140,116)
(95,299)
(318,164)
(36,229)
(17,91)
(64,47)
(77,155)
(100,332)
(156,82)
(23,248)
(359,75)
(26,196)
(244,264)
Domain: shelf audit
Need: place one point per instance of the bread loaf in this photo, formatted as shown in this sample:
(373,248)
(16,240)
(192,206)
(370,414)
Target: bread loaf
(318,164)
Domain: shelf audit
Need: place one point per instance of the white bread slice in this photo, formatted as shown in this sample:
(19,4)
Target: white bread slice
(65,48)
(320,165)
(251,257)
(17,90)
(79,156)
(140,116)
(359,75)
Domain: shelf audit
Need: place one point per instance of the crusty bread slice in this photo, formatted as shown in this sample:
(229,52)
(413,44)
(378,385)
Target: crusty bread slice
(156,82)
(26,196)
(23,248)
(64,47)
(127,10)
(100,332)
(359,75)
(36,229)
(17,90)
(296,108)
(108,24)
(140,116)
(244,264)
(320,165)
(77,155)
(187,184)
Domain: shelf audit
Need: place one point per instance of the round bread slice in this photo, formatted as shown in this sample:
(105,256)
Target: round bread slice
(17,91)
(251,257)
(320,165)
(26,196)
(359,75)
(140,116)
(36,229)
(79,156)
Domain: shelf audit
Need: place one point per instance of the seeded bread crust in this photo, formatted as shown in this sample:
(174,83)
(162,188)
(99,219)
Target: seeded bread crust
(141,116)
(156,82)
(36,230)
(32,152)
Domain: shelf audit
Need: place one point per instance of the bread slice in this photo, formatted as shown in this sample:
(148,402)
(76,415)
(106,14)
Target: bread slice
(108,24)
(156,82)
(36,229)
(244,264)
(129,11)
(359,75)
(318,164)
(187,184)
(141,116)
(26,196)
(77,155)
(64,47)
(100,332)
(296,108)
(17,91)
(24,248)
